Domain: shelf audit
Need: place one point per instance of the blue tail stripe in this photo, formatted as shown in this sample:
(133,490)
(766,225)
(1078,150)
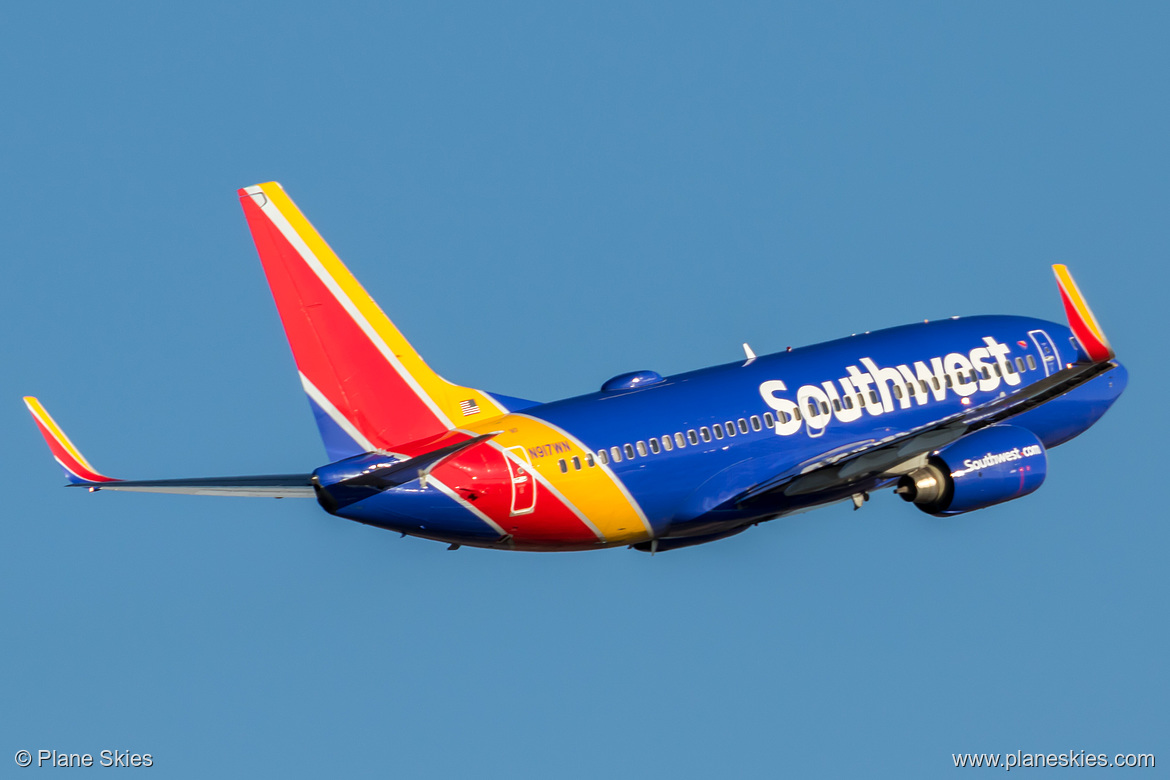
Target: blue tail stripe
(338,443)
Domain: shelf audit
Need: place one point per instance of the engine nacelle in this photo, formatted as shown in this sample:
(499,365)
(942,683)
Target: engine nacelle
(988,467)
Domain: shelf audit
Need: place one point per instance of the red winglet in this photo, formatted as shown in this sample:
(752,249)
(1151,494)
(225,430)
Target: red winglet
(1080,318)
(77,468)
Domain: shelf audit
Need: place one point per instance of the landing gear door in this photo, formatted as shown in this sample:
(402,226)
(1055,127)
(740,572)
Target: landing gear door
(523,483)
(1048,354)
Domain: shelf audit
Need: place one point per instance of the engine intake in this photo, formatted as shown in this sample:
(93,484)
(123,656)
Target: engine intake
(991,466)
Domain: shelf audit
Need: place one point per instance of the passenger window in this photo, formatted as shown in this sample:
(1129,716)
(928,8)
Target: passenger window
(629,448)
(937,386)
(680,440)
(950,382)
(836,405)
(743,425)
(848,402)
(730,426)
(576,463)
(1008,365)
(654,446)
(1031,362)
(667,443)
(589,459)
(756,423)
(861,400)
(962,379)
(717,430)
(769,420)
(616,453)
(925,387)
(705,433)
(692,437)
(898,392)
(998,372)
(986,372)
(1020,364)
(795,413)
(874,397)
(642,448)
(564,466)
(812,409)
(910,388)
(784,418)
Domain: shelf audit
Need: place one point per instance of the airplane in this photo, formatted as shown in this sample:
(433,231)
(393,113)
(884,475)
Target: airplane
(955,415)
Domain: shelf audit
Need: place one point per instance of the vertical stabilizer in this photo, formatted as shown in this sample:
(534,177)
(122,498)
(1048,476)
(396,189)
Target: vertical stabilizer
(368,387)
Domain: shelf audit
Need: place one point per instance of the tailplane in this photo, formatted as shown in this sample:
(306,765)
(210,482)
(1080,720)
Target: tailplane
(368,388)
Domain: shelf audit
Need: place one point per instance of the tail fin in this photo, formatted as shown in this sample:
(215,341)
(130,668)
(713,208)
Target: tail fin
(369,389)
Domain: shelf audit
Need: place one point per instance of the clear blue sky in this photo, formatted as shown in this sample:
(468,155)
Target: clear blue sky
(541,196)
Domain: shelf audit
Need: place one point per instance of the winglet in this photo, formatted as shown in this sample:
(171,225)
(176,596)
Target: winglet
(77,468)
(1080,318)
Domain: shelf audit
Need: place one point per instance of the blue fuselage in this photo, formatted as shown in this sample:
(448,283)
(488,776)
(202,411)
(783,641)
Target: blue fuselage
(681,448)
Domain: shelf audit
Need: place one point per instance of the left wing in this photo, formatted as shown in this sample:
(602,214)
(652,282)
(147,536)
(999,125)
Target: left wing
(899,454)
(80,473)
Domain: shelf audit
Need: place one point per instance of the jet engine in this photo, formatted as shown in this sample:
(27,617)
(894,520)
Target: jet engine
(990,466)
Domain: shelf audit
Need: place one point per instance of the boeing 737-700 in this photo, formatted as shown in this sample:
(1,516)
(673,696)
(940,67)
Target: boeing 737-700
(954,415)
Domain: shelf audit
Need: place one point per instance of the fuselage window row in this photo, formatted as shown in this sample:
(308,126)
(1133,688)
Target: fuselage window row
(678,440)
(681,439)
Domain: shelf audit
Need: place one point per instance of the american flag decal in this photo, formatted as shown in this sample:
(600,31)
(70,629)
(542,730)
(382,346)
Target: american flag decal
(469,407)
